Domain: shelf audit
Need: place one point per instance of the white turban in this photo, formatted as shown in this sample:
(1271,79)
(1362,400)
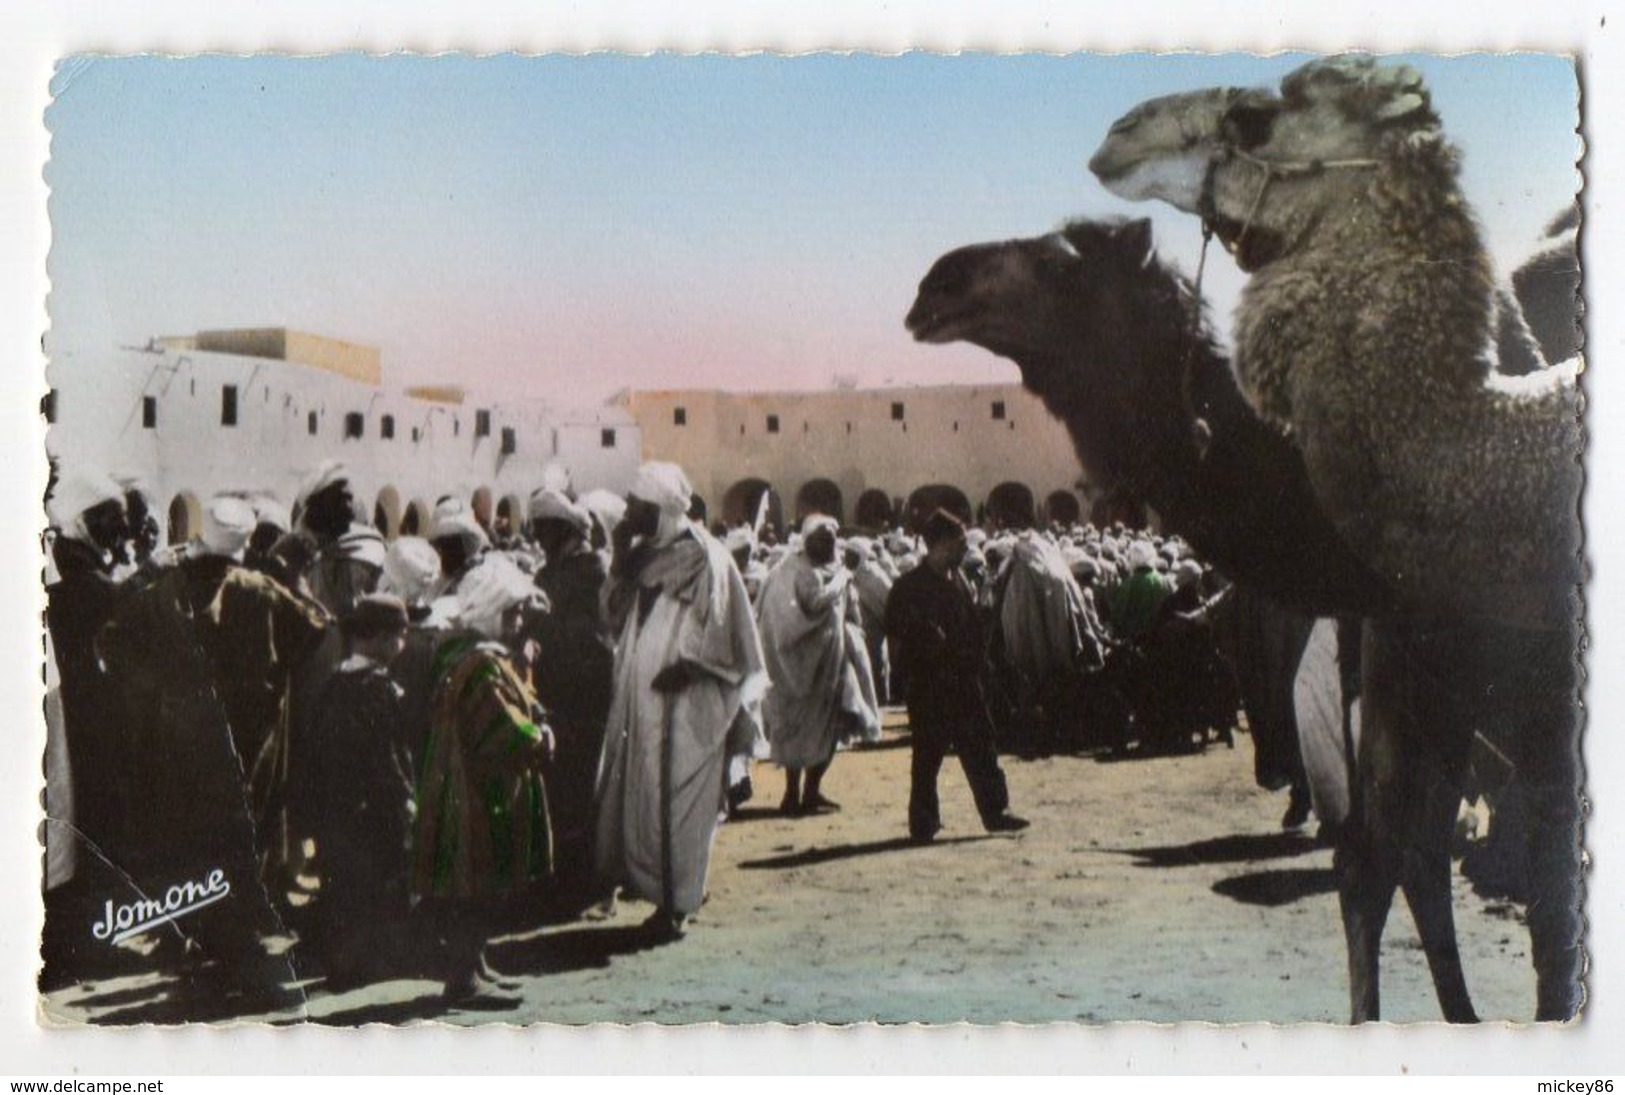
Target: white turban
(607,508)
(363,545)
(666,486)
(549,504)
(816,521)
(862,547)
(489,590)
(976,537)
(1141,554)
(227,524)
(1186,573)
(325,475)
(556,477)
(75,496)
(268,511)
(739,539)
(411,569)
(453,519)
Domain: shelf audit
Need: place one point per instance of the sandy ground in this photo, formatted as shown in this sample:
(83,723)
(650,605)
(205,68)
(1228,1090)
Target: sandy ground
(1156,889)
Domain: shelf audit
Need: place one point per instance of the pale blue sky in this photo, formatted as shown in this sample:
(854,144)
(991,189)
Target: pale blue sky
(565,226)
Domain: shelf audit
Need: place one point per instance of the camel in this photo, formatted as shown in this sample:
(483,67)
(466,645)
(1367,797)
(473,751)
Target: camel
(1361,334)
(1104,348)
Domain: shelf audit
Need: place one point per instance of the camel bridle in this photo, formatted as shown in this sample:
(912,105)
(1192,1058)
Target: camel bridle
(1208,211)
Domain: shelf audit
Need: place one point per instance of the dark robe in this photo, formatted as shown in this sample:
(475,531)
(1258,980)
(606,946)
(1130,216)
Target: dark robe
(203,657)
(360,787)
(574,681)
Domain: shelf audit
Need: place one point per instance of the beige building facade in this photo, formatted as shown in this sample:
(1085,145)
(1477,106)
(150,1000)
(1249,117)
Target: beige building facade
(844,451)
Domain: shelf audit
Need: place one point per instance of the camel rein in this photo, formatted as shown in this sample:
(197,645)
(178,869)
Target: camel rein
(1207,210)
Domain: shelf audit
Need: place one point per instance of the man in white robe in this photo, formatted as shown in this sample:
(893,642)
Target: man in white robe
(822,687)
(688,680)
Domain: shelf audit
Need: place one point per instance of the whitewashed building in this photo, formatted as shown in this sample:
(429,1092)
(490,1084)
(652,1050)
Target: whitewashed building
(257,410)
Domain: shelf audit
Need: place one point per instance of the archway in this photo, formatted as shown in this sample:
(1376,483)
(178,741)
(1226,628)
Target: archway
(820,496)
(874,510)
(386,513)
(1010,505)
(743,502)
(482,506)
(934,496)
(185,517)
(1061,507)
(510,516)
(415,522)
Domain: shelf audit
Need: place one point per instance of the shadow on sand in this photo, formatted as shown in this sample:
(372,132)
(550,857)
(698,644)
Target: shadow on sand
(1238,848)
(1278,887)
(587,947)
(812,856)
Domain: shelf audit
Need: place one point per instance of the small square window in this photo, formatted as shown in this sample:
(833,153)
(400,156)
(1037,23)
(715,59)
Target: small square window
(998,409)
(679,416)
(386,427)
(149,412)
(310,423)
(510,441)
(606,439)
(228,405)
(457,427)
(772,423)
(482,423)
(896,412)
(849,427)
(417,435)
(956,427)
(355,424)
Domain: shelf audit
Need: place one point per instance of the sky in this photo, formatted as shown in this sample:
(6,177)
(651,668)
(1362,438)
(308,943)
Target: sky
(562,227)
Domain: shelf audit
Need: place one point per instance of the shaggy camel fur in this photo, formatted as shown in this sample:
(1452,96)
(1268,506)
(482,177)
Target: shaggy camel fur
(1362,332)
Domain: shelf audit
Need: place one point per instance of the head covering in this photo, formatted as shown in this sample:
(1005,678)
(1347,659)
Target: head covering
(411,569)
(898,543)
(489,590)
(862,547)
(227,524)
(326,474)
(816,521)
(666,486)
(739,539)
(604,507)
(548,504)
(976,537)
(1187,572)
(76,495)
(1140,555)
(375,614)
(556,477)
(452,518)
(269,511)
(363,544)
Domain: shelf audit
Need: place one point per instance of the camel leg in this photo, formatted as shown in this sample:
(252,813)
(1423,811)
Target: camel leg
(1364,897)
(1548,766)
(1426,883)
(1366,862)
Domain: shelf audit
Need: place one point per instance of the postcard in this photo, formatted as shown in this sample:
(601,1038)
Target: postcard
(837,538)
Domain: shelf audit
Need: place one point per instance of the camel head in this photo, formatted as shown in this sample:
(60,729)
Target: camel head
(1098,326)
(1266,168)
(1027,298)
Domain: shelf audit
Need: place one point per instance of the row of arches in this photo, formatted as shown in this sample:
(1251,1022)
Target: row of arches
(1011,504)
(389,515)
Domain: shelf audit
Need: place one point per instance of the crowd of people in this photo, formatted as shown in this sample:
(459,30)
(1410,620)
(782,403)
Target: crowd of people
(291,727)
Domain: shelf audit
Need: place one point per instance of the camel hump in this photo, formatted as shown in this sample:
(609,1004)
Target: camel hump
(1362,89)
